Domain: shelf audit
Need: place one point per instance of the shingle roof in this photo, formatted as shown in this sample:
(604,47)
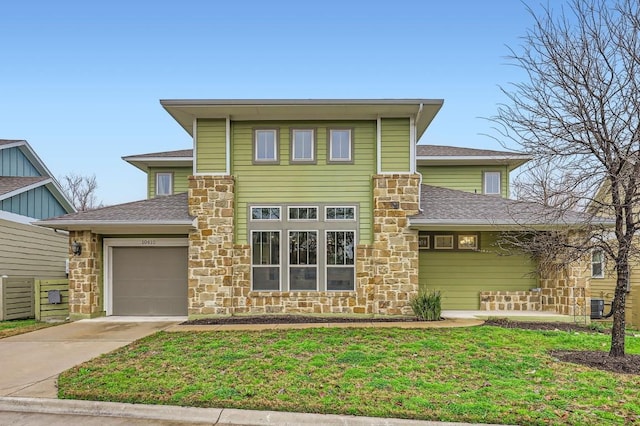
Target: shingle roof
(455,151)
(442,206)
(187,153)
(9,141)
(12,183)
(169,209)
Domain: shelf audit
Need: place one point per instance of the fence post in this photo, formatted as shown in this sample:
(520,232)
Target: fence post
(37,295)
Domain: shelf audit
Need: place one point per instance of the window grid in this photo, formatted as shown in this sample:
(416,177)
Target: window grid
(303,213)
(340,213)
(265,260)
(265,213)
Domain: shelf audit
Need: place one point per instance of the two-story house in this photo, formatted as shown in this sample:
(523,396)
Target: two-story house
(28,191)
(309,206)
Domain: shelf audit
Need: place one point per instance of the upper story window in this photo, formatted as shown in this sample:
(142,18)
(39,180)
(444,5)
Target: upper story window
(303,146)
(340,213)
(265,213)
(492,183)
(340,145)
(265,146)
(303,213)
(597,264)
(164,183)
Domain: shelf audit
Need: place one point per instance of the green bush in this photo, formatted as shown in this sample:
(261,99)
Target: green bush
(427,306)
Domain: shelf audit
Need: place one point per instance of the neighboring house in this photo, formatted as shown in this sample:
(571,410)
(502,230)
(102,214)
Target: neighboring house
(28,191)
(311,206)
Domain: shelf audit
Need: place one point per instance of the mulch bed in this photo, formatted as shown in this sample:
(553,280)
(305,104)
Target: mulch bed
(291,319)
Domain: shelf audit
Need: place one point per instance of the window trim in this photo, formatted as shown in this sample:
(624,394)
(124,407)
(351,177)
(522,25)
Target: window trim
(314,145)
(484,182)
(602,262)
(330,159)
(424,241)
(326,263)
(157,176)
(302,207)
(317,264)
(279,265)
(355,213)
(276,148)
(251,219)
(435,242)
(475,237)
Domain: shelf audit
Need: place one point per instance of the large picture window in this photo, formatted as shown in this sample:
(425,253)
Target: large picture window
(265,258)
(306,248)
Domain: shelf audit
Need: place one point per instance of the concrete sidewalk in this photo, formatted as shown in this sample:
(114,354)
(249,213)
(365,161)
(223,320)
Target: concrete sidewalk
(88,413)
(31,362)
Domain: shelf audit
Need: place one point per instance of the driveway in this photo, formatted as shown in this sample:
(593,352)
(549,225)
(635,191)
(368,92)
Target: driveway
(31,362)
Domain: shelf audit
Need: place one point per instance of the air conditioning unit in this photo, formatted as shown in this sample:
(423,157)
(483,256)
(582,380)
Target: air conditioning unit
(597,308)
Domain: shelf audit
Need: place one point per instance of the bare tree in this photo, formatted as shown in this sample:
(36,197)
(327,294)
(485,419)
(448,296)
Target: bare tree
(81,191)
(580,110)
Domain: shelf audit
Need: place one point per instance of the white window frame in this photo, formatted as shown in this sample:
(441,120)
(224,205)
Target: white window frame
(160,175)
(326,262)
(440,247)
(279,265)
(294,158)
(485,181)
(289,208)
(252,219)
(601,262)
(326,215)
(475,239)
(350,150)
(426,238)
(316,266)
(276,144)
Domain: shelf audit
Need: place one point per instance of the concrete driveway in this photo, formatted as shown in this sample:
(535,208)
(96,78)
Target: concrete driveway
(31,362)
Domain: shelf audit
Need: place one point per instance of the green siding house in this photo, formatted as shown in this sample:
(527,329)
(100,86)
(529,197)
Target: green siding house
(309,206)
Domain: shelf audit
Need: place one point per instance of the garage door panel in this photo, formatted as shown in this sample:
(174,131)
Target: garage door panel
(149,280)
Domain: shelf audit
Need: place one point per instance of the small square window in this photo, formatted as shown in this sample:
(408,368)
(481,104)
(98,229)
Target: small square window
(340,213)
(340,145)
(424,240)
(492,183)
(265,213)
(303,146)
(467,242)
(443,242)
(164,183)
(265,146)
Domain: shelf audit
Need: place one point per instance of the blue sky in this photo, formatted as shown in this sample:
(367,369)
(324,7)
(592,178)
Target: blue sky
(81,80)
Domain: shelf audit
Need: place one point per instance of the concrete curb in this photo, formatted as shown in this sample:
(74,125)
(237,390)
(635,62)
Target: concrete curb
(194,415)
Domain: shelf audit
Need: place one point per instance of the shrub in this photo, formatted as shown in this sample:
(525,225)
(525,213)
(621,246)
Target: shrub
(426,306)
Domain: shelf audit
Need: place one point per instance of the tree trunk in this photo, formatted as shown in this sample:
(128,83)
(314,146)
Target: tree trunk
(617,306)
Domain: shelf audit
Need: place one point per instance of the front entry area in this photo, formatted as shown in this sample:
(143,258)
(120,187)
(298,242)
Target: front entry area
(147,280)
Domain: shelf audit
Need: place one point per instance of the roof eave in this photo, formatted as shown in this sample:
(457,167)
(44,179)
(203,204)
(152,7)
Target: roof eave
(120,227)
(513,162)
(484,224)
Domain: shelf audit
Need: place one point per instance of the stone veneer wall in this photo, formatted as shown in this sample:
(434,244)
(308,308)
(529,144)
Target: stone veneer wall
(220,271)
(566,291)
(510,301)
(85,276)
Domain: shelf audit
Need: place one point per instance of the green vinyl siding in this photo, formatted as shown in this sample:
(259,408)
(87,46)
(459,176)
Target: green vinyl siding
(461,276)
(211,146)
(180,179)
(38,203)
(304,183)
(396,146)
(14,163)
(463,178)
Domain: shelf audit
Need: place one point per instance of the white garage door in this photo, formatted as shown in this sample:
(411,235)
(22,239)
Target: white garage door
(149,281)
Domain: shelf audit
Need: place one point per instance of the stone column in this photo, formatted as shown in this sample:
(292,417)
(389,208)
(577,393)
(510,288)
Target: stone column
(85,276)
(395,246)
(211,250)
(566,289)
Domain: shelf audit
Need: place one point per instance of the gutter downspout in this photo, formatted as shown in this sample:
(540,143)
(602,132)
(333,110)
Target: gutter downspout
(415,155)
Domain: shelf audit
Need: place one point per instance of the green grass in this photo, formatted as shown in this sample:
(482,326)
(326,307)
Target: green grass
(15,327)
(477,374)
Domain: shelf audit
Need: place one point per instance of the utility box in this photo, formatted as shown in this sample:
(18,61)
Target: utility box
(597,308)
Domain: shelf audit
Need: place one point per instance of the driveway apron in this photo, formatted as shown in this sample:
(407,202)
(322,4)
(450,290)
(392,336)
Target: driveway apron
(31,362)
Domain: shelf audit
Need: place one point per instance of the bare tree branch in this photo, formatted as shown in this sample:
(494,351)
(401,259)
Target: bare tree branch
(81,191)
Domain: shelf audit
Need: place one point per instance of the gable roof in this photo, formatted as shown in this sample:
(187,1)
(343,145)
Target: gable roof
(13,185)
(184,111)
(178,158)
(448,208)
(168,214)
(52,184)
(442,155)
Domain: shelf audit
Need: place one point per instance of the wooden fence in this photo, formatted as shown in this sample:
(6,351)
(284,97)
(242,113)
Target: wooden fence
(16,298)
(29,298)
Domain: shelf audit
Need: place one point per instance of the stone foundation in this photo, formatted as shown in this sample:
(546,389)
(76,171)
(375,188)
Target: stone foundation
(510,301)
(85,276)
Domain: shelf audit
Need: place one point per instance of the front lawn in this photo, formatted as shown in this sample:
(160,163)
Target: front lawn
(14,327)
(476,374)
